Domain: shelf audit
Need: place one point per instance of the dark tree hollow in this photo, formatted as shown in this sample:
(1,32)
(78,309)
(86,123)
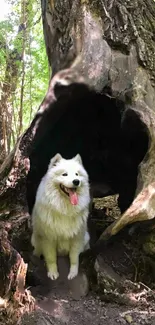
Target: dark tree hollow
(109,136)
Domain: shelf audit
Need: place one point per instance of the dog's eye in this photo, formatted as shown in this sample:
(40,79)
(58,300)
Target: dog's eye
(64,174)
(76,174)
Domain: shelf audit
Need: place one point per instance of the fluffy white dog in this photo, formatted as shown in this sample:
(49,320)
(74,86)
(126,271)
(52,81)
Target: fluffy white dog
(60,214)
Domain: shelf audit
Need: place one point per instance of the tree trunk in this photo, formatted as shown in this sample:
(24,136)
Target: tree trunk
(110,44)
(9,86)
(100,103)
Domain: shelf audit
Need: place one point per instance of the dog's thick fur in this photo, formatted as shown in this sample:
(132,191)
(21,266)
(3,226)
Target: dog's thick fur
(60,223)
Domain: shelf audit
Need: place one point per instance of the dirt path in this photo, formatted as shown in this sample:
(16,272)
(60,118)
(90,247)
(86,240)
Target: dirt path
(64,302)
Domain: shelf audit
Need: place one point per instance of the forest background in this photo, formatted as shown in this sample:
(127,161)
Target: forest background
(24,70)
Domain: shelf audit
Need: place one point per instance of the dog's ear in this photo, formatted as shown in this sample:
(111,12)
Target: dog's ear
(55,160)
(78,159)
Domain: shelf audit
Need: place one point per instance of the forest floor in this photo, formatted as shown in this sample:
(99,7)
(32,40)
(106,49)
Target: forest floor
(71,302)
(61,301)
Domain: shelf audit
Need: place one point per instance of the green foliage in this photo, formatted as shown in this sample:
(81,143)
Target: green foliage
(33,68)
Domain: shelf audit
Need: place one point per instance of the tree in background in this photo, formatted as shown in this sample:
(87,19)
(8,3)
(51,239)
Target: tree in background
(24,70)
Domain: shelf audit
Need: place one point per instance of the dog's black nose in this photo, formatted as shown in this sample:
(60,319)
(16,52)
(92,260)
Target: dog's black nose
(76,182)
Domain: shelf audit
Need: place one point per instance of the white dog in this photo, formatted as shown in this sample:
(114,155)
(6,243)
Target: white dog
(60,214)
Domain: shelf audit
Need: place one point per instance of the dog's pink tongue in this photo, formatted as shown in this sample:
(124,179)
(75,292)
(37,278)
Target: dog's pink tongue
(73,197)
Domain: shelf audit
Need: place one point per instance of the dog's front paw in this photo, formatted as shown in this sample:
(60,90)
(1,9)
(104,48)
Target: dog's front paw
(53,273)
(73,272)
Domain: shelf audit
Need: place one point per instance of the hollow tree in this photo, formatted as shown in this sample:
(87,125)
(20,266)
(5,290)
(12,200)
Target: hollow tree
(100,103)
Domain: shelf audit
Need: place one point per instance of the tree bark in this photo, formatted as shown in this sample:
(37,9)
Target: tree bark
(93,48)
